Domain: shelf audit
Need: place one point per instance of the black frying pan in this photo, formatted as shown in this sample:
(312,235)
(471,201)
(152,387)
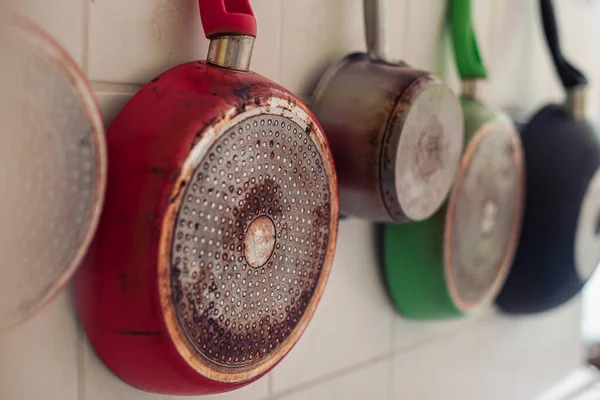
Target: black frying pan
(560,243)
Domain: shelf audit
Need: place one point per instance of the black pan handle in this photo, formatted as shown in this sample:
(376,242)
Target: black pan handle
(569,75)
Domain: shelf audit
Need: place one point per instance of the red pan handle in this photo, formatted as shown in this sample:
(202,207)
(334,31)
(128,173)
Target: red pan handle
(227,17)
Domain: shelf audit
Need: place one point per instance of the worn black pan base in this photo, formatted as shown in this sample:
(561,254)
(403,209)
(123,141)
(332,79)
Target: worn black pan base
(561,156)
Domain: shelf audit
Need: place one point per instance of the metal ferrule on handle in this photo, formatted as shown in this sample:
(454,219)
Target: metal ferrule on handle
(375,30)
(576,101)
(233,52)
(231,27)
(572,79)
(471,88)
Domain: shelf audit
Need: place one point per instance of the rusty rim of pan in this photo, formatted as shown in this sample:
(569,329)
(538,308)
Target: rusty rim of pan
(500,270)
(423,165)
(208,344)
(46,50)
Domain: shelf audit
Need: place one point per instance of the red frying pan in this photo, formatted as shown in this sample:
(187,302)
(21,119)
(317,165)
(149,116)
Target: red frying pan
(220,223)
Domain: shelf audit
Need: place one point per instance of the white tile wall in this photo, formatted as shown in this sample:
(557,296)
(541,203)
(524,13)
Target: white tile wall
(354,320)
(428,46)
(315,35)
(356,347)
(41,359)
(65,20)
(98,383)
(501,358)
(162,33)
(373,381)
(581,384)
(524,77)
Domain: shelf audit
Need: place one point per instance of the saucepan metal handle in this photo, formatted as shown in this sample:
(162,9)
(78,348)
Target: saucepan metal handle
(376,30)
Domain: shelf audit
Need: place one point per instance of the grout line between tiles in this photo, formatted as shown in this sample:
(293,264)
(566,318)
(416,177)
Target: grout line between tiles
(85,42)
(331,376)
(79,347)
(113,87)
(495,9)
(491,28)
(269,386)
(484,319)
(281,37)
(392,329)
(80,364)
(390,383)
(405,35)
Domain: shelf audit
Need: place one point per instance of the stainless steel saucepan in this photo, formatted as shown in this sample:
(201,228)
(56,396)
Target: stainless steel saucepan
(396,133)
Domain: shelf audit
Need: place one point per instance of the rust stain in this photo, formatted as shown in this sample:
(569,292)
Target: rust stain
(241,108)
(430,145)
(242,91)
(259,241)
(176,196)
(122,278)
(138,333)
(321,213)
(162,15)
(237,325)
(256,196)
(131,332)
(160,92)
(161,171)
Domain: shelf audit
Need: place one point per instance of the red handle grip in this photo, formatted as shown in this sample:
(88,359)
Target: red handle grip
(227,17)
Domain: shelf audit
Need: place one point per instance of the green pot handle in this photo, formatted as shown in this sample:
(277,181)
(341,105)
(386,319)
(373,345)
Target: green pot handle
(466,51)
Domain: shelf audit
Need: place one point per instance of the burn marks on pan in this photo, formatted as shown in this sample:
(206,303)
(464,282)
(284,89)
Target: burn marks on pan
(264,169)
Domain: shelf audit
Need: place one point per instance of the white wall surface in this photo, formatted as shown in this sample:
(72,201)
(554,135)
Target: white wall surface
(356,347)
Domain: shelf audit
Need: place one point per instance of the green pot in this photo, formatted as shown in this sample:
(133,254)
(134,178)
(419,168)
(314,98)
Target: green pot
(456,261)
